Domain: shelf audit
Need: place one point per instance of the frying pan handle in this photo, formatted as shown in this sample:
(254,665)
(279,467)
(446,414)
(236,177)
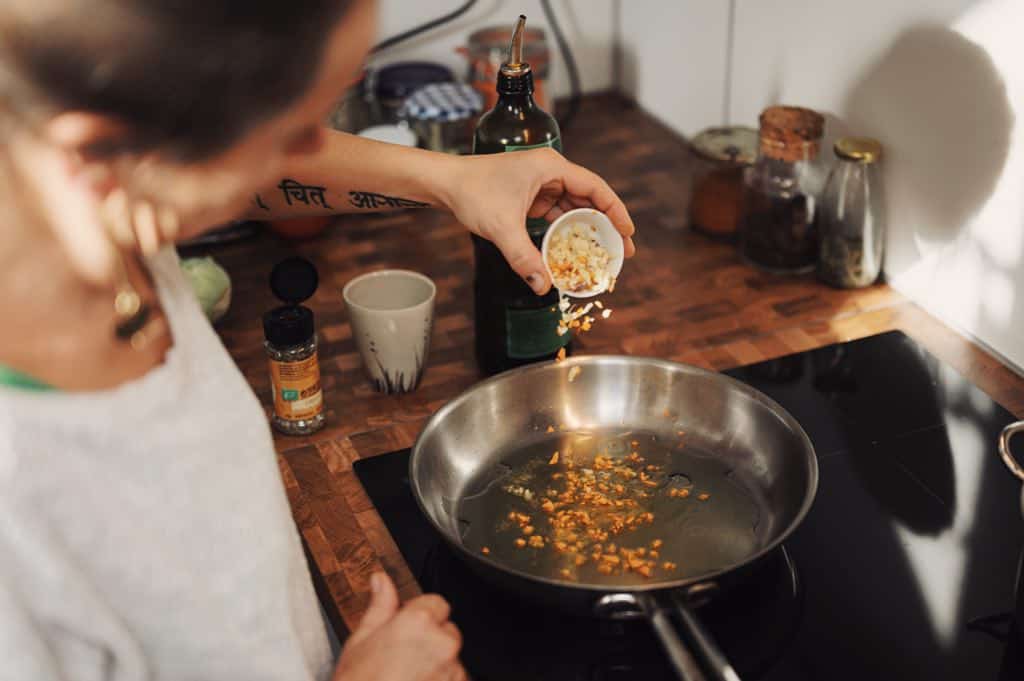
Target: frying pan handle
(682,660)
(1004,448)
(719,664)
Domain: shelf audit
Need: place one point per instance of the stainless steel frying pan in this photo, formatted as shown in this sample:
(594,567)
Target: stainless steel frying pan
(735,440)
(1004,450)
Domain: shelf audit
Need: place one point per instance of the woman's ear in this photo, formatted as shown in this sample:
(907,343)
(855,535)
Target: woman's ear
(90,143)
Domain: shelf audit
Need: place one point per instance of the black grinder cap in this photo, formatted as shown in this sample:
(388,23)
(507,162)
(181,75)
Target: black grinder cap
(292,280)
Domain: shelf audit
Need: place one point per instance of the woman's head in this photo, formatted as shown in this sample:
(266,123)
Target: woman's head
(188,76)
(207,95)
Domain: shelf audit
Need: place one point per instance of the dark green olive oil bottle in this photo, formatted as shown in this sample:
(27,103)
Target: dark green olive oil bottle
(513,325)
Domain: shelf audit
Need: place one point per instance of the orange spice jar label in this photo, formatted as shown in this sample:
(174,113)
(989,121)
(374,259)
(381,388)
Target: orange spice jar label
(296,385)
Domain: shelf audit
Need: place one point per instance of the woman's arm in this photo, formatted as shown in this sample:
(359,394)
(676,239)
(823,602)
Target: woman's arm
(352,174)
(492,195)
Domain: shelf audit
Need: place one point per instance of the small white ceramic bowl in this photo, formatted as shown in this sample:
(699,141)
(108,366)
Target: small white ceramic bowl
(606,235)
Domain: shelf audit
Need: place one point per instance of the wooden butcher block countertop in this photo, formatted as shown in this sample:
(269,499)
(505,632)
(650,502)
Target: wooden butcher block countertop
(683,298)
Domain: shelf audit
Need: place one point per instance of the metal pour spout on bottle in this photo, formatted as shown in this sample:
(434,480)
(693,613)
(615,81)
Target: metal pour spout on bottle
(515,66)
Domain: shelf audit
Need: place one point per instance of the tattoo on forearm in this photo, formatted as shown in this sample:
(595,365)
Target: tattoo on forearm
(373,200)
(259,203)
(304,193)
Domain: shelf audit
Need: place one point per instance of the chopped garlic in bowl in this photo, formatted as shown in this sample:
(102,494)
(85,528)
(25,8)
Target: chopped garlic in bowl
(578,263)
(583,253)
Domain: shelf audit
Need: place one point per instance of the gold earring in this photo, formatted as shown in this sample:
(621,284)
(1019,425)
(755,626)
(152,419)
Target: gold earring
(131,311)
(132,314)
(136,321)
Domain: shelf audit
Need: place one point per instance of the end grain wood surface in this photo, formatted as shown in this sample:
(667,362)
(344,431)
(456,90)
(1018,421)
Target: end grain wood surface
(683,298)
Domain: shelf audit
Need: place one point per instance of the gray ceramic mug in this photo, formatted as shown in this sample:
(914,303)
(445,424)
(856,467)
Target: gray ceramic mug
(392,313)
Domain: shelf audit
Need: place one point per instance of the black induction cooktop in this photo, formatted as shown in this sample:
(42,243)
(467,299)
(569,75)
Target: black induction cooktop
(905,568)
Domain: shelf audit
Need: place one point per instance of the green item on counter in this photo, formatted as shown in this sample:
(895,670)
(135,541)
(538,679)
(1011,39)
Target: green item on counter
(16,379)
(211,284)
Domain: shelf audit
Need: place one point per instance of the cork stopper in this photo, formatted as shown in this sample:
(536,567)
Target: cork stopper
(791,133)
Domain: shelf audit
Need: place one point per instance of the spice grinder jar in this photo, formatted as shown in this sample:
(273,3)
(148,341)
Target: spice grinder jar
(721,156)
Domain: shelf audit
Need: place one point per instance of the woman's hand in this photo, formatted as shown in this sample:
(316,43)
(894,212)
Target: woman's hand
(492,195)
(414,642)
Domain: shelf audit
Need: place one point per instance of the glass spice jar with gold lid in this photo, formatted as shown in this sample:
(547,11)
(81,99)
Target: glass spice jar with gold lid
(720,156)
(852,220)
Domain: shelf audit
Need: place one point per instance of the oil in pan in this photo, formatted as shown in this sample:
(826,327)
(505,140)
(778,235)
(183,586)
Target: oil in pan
(611,508)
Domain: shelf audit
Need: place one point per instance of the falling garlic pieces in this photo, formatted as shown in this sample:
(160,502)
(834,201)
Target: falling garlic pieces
(577,317)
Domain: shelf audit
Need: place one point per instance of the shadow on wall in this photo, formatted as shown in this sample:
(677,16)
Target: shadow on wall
(940,107)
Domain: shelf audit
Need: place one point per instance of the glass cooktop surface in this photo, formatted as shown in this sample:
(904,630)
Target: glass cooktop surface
(905,568)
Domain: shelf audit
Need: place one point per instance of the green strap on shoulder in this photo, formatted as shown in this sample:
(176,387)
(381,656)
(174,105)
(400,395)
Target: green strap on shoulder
(15,379)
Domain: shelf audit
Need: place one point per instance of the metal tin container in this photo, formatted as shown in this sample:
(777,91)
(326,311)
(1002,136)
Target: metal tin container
(443,116)
(390,85)
(351,113)
(721,156)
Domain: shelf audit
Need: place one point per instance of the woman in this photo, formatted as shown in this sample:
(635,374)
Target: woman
(144,531)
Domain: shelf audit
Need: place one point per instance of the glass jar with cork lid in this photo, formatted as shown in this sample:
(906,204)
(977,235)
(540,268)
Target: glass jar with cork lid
(778,214)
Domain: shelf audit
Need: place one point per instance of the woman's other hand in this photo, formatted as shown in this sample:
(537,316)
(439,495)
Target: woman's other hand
(493,194)
(413,642)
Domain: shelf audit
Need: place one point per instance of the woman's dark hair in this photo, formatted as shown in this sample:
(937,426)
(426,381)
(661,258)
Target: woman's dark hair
(188,76)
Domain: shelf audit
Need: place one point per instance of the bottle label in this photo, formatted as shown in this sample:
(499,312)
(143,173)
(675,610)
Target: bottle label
(534,333)
(297,392)
(530,334)
(555,143)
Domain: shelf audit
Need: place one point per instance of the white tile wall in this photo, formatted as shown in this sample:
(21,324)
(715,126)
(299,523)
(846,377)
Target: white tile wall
(672,59)
(814,52)
(940,82)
